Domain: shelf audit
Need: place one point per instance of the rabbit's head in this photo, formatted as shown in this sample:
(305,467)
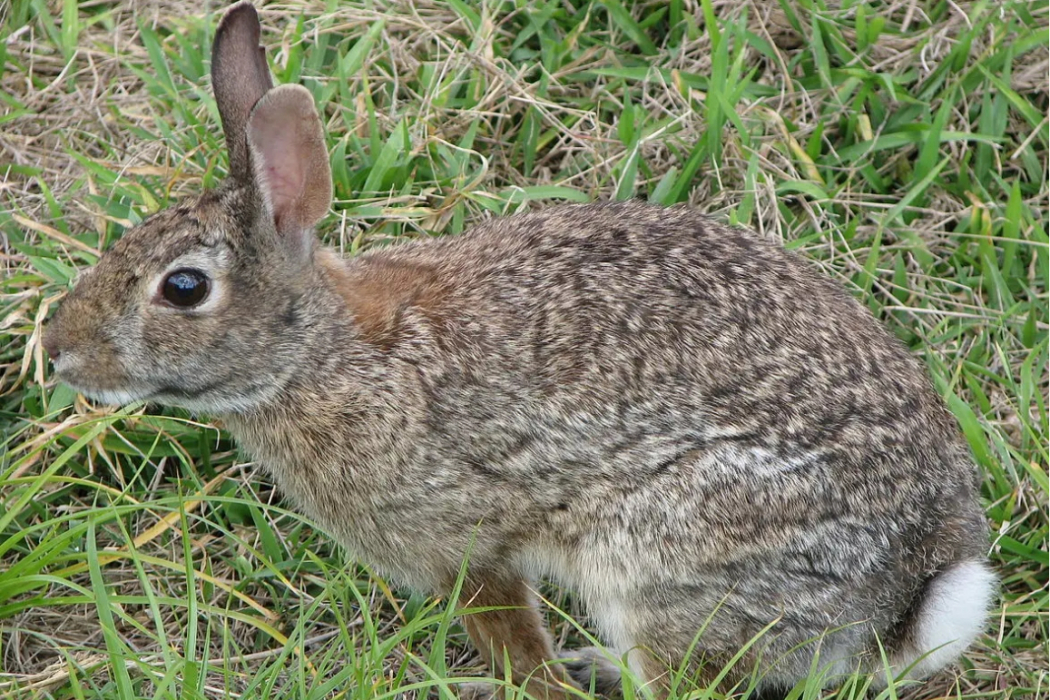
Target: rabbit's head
(202,304)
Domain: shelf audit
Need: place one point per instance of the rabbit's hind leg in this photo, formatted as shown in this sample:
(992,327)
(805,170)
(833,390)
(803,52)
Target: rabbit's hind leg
(514,633)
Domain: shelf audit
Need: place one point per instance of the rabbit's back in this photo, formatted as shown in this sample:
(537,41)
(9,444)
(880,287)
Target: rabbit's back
(631,312)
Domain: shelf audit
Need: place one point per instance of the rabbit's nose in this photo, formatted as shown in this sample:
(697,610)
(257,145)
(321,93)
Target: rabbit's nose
(50,343)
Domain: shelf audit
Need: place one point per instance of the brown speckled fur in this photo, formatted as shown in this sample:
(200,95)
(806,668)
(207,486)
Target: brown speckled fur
(686,425)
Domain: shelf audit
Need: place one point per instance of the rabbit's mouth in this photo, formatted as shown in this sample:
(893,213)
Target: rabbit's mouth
(96,379)
(201,400)
(103,379)
(114,397)
(117,396)
(214,399)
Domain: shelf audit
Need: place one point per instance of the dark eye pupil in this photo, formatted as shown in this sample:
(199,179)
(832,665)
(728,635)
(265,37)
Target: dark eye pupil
(185,288)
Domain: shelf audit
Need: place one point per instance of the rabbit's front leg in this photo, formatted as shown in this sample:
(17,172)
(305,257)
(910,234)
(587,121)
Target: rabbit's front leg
(514,633)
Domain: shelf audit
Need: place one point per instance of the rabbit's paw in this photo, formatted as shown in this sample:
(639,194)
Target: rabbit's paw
(590,667)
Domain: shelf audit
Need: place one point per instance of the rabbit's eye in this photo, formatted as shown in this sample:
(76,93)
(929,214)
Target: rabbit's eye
(185,288)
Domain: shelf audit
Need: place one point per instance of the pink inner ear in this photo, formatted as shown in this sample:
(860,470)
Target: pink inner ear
(285,188)
(290,159)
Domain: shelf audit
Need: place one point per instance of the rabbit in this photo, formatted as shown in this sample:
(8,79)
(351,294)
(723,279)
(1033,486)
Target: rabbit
(712,444)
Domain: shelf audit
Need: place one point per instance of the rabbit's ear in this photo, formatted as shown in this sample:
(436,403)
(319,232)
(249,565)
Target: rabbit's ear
(239,77)
(290,162)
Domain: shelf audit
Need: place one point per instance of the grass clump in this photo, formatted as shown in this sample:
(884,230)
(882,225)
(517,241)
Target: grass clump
(902,145)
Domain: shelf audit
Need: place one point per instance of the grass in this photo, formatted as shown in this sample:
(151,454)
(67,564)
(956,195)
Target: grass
(902,145)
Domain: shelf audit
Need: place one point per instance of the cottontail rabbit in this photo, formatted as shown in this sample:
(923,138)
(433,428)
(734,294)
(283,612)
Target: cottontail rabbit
(687,426)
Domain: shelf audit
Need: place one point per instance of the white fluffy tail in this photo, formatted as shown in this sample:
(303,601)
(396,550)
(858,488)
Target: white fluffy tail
(953,612)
